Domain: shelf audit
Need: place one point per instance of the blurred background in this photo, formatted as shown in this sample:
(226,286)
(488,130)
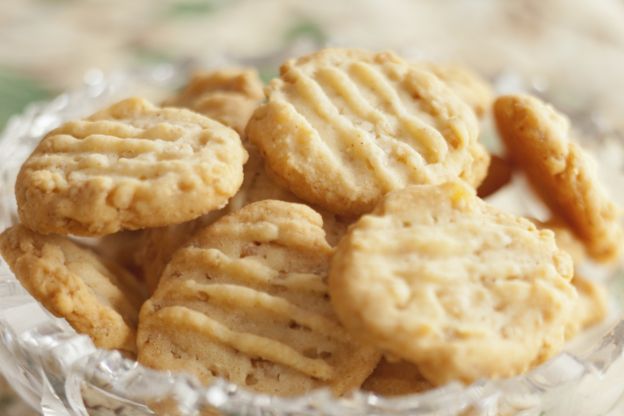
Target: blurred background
(571,50)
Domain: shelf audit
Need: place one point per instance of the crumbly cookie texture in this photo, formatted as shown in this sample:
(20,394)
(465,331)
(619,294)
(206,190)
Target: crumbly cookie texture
(342,127)
(97,298)
(455,286)
(157,245)
(498,175)
(246,299)
(229,96)
(130,166)
(538,140)
(471,87)
(396,379)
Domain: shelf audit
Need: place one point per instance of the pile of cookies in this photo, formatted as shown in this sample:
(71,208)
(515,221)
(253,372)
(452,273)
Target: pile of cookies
(328,230)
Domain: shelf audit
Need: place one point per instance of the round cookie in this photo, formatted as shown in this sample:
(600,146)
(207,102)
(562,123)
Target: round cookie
(130,166)
(538,140)
(452,284)
(396,379)
(97,298)
(157,245)
(468,85)
(246,300)
(342,127)
(229,96)
(498,175)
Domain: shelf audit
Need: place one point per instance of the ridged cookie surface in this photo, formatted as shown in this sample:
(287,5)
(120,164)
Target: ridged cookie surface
(342,127)
(538,140)
(157,245)
(97,298)
(453,285)
(130,166)
(226,95)
(246,299)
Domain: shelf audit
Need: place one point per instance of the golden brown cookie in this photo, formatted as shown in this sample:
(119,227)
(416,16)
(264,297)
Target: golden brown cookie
(591,307)
(342,127)
(396,379)
(97,298)
(157,245)
(538,140)
(226,95)
(455,286)
(498,175)
(246,299)
(470,87)
(130,166)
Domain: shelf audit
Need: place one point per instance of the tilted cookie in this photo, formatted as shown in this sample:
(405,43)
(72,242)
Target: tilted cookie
(538,140)
(473,89)
(396,379)
(342,127)
(97,298)
(226,95)
(120,248)
(592,305)
(246,299)
(130,166)
(498,175)
(452,284)
(157,245)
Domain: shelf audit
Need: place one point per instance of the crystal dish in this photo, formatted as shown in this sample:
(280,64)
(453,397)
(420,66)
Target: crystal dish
(56,370)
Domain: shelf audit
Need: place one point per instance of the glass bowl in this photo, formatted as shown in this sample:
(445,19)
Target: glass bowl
(60,372)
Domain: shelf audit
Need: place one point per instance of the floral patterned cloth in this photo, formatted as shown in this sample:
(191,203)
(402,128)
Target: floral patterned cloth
(574,48)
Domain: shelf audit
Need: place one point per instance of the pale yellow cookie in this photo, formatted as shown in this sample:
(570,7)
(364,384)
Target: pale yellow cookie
(130,166)
(342,127)
(566,240)
(396,379)
(246,300)
(97,298)
(438,277)
(471,87)
(538,140)
(157,245)
(226,95)
(591,307)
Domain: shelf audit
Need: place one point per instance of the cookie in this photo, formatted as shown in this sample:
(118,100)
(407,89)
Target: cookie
(468,85)
(97,298)
(229,96)
(246,299)
(538,140)
(396,379)
(457,287)
(566,240)
(342,127)
(158,244)
(591,307)
(120,248)
(130,166)
(498,175)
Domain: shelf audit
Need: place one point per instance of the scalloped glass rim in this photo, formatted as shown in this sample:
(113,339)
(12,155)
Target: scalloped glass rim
(61,372)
